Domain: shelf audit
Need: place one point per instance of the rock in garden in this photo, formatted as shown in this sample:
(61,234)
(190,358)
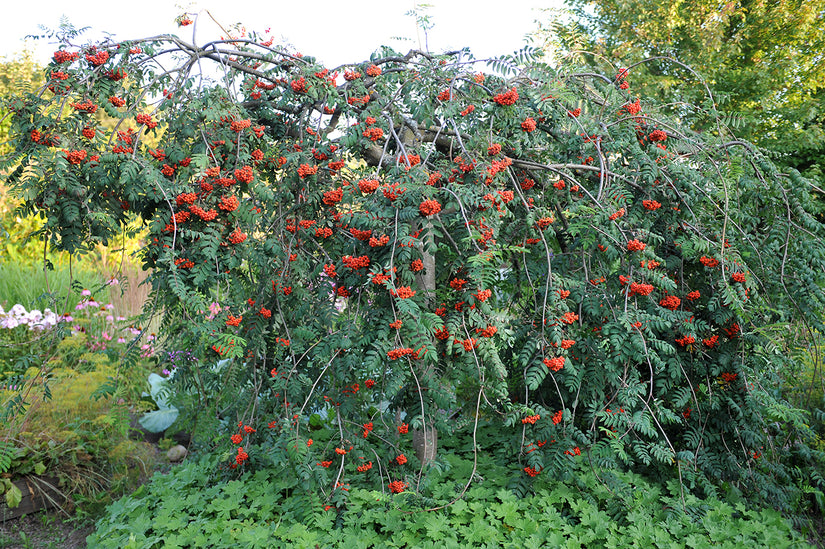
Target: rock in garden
(176,453)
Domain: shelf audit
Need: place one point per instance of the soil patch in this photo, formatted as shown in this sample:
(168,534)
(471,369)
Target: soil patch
(44,530)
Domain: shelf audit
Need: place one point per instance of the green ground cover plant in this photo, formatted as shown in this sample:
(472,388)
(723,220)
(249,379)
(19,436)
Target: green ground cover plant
(198,505)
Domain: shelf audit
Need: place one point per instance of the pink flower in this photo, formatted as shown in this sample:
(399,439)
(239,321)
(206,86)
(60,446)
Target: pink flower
(9,322)
(214,309)
(86,293)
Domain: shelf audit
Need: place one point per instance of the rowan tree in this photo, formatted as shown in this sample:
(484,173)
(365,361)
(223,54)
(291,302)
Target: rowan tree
(418,243)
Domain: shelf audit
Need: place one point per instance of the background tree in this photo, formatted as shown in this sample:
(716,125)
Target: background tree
(762,61)
(17,74)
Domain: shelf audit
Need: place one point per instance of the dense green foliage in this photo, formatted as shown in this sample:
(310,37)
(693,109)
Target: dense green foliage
(414,245)
(762,61)
(17,73)
(194,506)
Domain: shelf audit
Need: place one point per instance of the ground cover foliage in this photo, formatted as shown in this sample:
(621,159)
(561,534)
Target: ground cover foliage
(412,245)
(195,506)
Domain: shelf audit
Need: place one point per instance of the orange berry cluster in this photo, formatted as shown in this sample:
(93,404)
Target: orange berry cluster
(555,364)
(507,98)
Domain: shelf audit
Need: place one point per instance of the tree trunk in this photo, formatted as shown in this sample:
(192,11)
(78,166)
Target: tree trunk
(425,443)
(425,440)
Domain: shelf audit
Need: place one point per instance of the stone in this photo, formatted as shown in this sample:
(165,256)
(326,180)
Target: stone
(176,453)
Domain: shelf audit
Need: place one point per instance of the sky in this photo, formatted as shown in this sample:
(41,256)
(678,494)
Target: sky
(334,31)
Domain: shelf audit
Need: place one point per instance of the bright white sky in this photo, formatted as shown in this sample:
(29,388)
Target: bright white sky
(335,31)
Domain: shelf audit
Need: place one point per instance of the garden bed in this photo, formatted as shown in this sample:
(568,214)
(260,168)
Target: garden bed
(39,493)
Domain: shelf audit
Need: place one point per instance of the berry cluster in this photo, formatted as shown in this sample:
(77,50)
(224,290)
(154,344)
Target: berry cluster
(555,364)
(635,246)
(507,98)
(429,208)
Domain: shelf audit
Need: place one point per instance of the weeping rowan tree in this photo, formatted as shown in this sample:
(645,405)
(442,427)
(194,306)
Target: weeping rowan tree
(368,256)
